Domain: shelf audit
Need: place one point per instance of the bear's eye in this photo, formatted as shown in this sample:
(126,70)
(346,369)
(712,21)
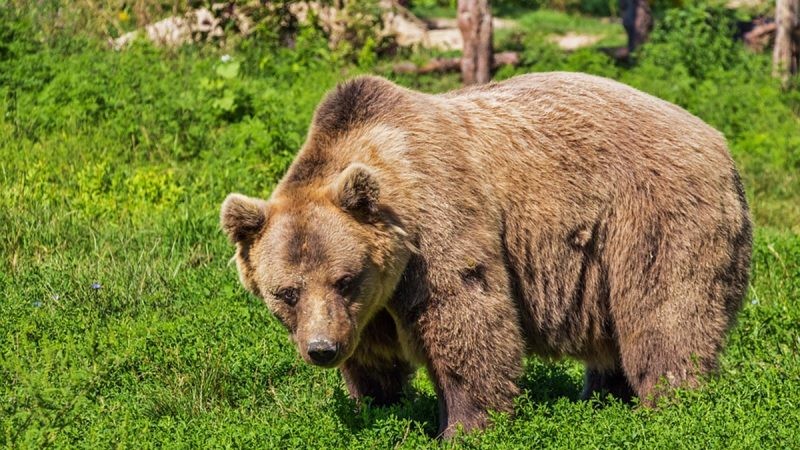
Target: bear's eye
(288,295)
(345,285)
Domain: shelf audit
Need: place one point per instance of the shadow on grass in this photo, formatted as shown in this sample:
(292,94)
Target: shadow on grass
(419,407)
(541,383)
(549,382)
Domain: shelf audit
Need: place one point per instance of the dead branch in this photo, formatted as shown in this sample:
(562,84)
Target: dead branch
(439,65)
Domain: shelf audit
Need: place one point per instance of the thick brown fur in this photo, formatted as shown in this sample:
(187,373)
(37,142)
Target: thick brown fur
(556,214)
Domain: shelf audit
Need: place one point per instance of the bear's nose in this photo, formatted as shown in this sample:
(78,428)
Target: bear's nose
(322,351)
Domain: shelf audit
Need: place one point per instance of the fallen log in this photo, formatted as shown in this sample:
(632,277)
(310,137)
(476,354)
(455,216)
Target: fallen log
(453,64)
(760,36)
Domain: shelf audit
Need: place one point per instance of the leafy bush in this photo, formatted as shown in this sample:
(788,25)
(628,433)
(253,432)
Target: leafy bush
(697,40)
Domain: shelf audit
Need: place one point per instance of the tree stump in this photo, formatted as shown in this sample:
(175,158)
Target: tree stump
(475,23)
(787,39)
(637,20)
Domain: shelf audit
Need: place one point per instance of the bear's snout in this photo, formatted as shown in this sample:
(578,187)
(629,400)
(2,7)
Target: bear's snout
(322,351)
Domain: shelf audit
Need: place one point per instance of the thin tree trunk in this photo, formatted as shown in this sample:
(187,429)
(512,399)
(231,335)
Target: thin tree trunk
(475,23)
(785,54)
(637,20)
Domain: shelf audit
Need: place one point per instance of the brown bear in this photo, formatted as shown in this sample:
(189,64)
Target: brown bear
(556,214)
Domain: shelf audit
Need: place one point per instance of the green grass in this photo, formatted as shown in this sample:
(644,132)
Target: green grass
(560,23)
(112,169)
(545,25)
(430,9)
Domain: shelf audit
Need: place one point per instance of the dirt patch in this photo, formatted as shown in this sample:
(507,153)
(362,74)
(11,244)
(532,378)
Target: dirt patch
(573,41)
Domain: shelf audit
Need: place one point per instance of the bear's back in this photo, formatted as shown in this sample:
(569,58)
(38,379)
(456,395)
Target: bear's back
(592,110)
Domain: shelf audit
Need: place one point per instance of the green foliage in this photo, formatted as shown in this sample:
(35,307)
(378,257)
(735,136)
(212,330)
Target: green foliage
(560,23)
(693,61)
(123,324)
(696,39)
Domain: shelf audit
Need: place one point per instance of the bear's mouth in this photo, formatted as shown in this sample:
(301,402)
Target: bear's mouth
(332,365)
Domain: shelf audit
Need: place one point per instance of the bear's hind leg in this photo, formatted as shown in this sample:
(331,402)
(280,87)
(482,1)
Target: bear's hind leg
(668,300)
(604,382)
(670,338)
(655,362)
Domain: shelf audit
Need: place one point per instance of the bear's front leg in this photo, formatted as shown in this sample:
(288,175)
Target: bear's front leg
(468,330)
(377,369)
(383,382)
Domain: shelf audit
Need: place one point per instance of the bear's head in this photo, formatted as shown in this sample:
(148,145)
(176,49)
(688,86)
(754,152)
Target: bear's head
(324,258)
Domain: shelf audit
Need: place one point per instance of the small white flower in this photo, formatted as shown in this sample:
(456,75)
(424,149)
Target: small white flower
(754,301)
(225,58)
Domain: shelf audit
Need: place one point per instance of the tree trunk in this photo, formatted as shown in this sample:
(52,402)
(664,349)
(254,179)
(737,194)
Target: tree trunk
(637,20)
(787,39)
(475,23)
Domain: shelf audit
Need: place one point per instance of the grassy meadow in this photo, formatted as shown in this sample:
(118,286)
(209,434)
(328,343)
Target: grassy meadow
(122,321)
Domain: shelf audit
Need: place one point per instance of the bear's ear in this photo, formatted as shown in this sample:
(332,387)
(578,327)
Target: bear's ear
(356,190)
(242,217)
